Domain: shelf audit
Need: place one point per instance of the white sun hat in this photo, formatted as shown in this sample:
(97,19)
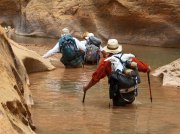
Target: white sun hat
(113,46)
(88,35)
(65,31)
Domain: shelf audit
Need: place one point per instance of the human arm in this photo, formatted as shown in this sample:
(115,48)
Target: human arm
(80,44)
(52,51)
(89,85)
(142,67)
(104,69)
(103,52)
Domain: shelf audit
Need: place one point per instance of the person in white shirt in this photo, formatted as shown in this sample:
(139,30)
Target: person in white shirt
(71,48)
(56,49)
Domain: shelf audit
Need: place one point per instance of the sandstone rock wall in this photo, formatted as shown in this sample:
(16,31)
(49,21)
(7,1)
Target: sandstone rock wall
(144,22)
(170,74)
(15,96)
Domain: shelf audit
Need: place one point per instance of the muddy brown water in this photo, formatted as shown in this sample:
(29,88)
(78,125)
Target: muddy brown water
(58,94)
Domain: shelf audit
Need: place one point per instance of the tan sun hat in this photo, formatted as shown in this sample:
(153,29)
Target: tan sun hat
(65,31)
(113,46)
(86,35)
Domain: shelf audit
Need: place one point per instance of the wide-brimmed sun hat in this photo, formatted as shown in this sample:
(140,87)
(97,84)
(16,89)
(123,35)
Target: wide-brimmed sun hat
(113,46)
(65,31)
(86,35)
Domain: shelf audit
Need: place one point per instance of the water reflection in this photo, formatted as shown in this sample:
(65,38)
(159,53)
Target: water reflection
(72,79)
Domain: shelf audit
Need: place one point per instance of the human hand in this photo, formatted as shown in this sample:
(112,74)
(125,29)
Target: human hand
(149,69)
(104,54)
(44,56)
(84,89)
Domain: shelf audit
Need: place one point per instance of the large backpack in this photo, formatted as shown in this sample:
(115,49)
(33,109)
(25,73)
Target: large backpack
(95,41)
(71,56)
(92,54)
(123,89)
(119,81)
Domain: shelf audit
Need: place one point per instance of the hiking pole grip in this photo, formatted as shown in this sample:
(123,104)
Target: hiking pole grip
(84,97)
(149,86)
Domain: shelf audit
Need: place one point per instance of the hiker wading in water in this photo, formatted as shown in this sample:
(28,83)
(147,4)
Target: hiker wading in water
(122,71)
(71,48)
(88,41)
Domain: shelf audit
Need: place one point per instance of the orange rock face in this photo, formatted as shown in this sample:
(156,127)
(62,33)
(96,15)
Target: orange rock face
(141,22)
(170,74)
(15,97)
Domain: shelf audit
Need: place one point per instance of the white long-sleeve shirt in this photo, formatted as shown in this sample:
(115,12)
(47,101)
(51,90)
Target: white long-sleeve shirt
(56,48)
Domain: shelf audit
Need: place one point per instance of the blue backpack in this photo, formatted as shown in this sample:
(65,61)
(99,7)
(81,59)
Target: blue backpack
(71,56)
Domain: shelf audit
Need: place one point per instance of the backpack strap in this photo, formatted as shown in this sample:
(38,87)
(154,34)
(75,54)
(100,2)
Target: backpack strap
(120,58)
(61,42)
(66,39)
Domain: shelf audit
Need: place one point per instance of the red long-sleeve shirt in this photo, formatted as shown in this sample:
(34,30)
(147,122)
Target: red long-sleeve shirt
(142,67)
(104,69)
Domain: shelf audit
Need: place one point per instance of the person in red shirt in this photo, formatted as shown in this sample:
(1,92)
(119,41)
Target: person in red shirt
(105,68)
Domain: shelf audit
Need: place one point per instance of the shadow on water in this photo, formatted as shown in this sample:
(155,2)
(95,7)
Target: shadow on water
(58,105)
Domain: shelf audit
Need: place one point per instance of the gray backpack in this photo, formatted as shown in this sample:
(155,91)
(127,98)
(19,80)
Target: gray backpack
(92,54)
(95,41)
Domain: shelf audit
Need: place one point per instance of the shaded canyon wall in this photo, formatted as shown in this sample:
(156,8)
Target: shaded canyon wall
(143,22)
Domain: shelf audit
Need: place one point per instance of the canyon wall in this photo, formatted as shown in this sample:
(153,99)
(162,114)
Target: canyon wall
(170,74)
(139,22)
(15,97)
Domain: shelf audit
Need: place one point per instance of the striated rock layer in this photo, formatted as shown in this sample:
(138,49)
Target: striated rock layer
(143,22)
(170,74)
(15,96)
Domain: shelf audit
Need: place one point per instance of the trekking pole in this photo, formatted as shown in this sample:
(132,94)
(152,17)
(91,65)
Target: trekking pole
(84,97)
(83,62)
(149,86)
(109,103)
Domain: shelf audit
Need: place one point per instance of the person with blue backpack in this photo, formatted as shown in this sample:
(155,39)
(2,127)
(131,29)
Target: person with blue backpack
(71,48)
